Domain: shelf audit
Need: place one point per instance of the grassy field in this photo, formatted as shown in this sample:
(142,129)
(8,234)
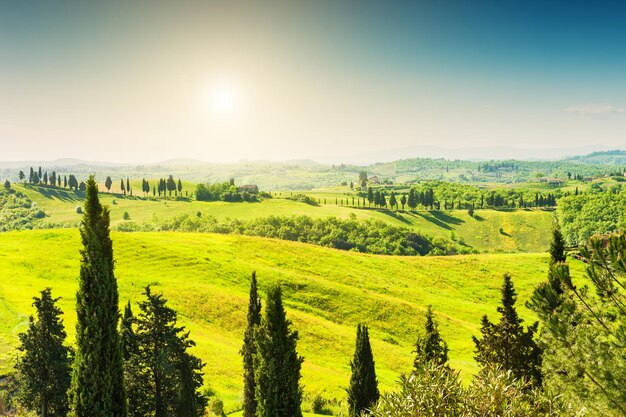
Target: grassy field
(327,292)
(488,231)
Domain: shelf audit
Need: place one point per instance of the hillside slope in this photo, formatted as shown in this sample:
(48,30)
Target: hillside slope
(205,277)
(489,231)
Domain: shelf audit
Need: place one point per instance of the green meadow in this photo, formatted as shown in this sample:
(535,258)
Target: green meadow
(490,231)
(205,277)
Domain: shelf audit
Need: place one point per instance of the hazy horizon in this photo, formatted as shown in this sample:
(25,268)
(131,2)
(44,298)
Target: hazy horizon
(225,81)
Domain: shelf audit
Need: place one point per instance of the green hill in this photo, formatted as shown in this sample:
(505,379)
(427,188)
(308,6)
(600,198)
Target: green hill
(205,277)
(488,231)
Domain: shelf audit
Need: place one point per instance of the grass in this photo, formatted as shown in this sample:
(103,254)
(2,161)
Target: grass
(327,292)
(522,230)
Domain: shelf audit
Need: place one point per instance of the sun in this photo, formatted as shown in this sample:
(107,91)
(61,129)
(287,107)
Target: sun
(224,100)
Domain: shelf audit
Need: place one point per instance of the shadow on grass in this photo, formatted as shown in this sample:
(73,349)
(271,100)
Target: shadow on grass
(446,218)
(434,220)
(55,193)
(477,217)
(396,216)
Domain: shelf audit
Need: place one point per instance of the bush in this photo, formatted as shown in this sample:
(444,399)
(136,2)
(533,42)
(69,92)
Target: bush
(318,404)
(79,210)
(437,391)
(217,407)
(126,216)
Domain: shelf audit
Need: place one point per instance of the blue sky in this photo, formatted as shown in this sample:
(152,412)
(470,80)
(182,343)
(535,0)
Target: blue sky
(220,81)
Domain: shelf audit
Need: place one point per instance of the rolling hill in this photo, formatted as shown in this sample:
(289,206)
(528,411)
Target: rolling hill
(327,292)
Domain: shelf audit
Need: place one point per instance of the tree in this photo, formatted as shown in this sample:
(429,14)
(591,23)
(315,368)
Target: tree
(127,334)
(249,350)
(122,186)
(583,328)
(108,182)
(36,178)
(392,200)
(39,173)
(162,377)
(31,175)
(98,380)
(53,178)
(557,247)
(403,200)
(507,344)
(7,184)
(363,391)
(21,175)
(363,178)
(82,186)
(127,184)
(370,195)
(45,367)
(171,184)
(180,186)
(430,347)
(276,362)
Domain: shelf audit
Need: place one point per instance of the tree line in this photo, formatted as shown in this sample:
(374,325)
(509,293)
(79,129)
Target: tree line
(164,186)
(367,236)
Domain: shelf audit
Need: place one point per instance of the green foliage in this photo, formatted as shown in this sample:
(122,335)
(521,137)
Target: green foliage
(276,362)
(98,381)
(430,347)
(249,350)
(363,390)
(506,344)
(303,198)
(44,367)
(162,376)
(435,391)
(369,236)
(583,215)
(223,191)
(17,211)
(584,332)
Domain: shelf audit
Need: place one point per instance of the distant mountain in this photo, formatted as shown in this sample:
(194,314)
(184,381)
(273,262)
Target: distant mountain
(59,163)
(613,157)
(467,153)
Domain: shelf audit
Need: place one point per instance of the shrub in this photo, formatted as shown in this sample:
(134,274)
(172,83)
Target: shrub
(126,216)
(79,209)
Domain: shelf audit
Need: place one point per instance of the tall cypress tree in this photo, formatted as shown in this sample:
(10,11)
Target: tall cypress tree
(98,379)
(44,369)
(430,347)
(363,391)
(249,349)
(276,362)
(507,344)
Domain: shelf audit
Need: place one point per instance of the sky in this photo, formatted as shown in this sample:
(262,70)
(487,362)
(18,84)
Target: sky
(146,81)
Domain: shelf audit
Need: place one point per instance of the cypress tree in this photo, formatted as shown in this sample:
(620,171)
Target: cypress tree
(363,391)
(276,362)
(44,369)
(127,334)
(430,347)
(507,344)
(98,381)
(249,349)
